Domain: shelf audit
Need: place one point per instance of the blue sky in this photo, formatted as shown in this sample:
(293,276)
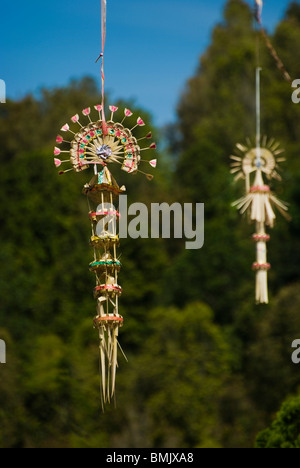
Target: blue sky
(152,48)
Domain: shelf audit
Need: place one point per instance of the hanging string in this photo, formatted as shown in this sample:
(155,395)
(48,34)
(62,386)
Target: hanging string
(258,130)
(279,63)
(258,12)
(103,38)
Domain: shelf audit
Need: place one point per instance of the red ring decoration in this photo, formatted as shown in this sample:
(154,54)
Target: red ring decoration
(107,318)
(260,188)
(261,266)
(108,287)
(104,213)
(261,237)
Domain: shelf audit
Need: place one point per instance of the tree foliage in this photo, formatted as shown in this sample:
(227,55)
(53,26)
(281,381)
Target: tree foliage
(284,432)
(207,367)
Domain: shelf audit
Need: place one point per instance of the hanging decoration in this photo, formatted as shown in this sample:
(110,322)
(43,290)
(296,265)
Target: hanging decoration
(258,164)
(100,144)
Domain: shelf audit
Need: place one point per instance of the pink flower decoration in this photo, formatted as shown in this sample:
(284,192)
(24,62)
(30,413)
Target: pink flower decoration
(153,146)
(153,163)
(113,109)
(86,111)
(75,118)
(140,122)
(65,128)
(98,108)
(128,113)
(57,162)
(56,151)
(149,136)
(59,139)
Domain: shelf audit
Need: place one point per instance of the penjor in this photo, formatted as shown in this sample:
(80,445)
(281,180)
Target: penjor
(258,165)
(97,143)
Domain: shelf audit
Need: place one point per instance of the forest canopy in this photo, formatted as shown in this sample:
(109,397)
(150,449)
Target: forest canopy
(207,367)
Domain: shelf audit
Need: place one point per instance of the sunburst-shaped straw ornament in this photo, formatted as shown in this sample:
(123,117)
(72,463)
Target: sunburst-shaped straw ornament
(253,162)
(245,159)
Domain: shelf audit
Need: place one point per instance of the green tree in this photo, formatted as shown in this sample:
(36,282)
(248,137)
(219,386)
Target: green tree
(12,411)
(216,111)
(269,370)
(284,432)
(170,392)
(203,359)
